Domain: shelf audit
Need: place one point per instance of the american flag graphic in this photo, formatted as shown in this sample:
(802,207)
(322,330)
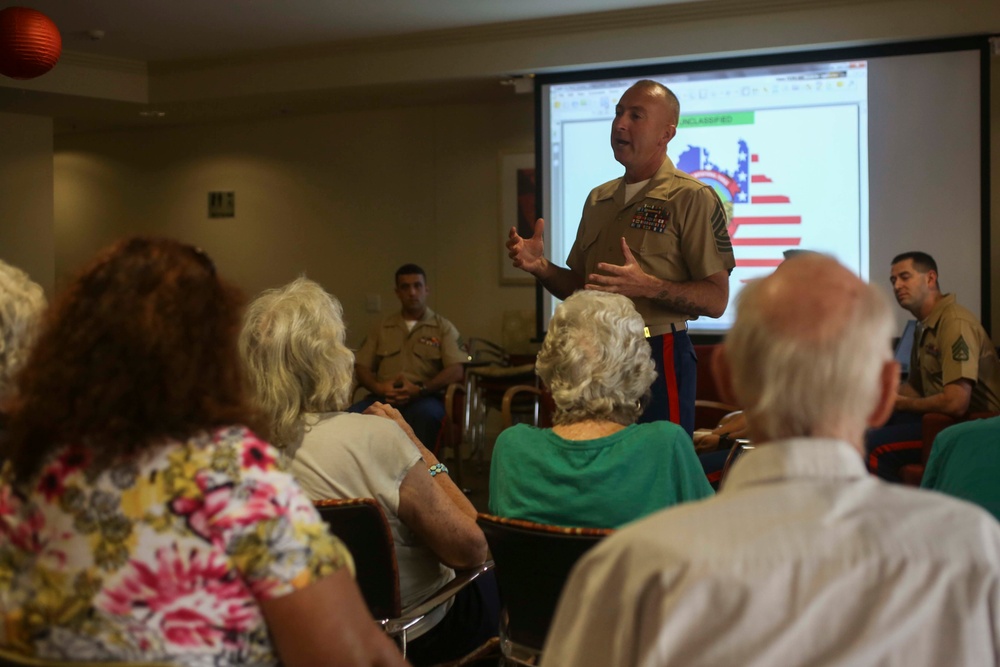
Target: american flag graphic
(762,220)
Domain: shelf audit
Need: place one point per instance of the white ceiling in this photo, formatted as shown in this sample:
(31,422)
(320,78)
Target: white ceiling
(171,30)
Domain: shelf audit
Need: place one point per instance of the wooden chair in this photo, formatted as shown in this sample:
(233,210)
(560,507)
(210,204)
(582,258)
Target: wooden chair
(740,447)
(709,408)
(533,562)
(453,429)
(361,524)
(485,385)
(12,658)
(526,399)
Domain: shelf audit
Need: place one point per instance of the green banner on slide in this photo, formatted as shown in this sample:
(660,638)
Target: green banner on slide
(717,119)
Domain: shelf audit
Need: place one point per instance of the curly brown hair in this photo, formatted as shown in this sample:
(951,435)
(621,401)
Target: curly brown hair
(141,347)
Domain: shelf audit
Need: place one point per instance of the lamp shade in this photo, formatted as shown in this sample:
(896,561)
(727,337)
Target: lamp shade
(30,44)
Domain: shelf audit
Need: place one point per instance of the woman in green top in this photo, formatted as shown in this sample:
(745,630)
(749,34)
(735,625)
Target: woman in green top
(595,467)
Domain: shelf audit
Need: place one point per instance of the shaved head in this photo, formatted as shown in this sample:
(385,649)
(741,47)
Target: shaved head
(658,90)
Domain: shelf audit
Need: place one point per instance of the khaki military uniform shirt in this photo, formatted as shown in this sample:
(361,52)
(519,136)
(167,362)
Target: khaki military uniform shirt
(951,345)
(419,354)
(675,227)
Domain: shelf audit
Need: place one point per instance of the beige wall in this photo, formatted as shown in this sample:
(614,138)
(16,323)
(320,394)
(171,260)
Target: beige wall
(344,198)
(26,234)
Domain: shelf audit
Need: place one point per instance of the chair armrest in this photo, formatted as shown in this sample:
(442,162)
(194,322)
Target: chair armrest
(508,398)
(727,407)
(933,423)
(449,402)
(415,612)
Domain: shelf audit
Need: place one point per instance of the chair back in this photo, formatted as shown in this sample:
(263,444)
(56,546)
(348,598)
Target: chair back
(534,402)
(362,526)
(740,447)
(533,562)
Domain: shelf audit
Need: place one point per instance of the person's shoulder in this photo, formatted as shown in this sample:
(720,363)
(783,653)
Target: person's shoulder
(965,527)
(970,429)
(661,537)
(221,457)
(663,430)
(520,431)
(357,436)
(369,426)
(441,321)
(517,436)
(252,450)
(957,312)
(685,181)
(387,320)
(604,190)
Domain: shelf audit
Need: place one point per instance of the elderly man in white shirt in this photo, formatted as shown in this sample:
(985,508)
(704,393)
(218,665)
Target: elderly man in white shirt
(803,558)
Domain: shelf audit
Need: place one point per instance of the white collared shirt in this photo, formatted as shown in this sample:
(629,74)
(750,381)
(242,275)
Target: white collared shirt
(802,559)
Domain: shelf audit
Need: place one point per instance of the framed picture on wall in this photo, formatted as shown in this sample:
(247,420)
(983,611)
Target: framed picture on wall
(517,209)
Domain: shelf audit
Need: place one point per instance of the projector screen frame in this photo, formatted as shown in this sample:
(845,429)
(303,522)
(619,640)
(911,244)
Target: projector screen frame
(980,43)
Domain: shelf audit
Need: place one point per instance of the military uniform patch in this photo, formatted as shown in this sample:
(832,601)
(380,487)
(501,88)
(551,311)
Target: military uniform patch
(720,229)
(651,218)
(960,350)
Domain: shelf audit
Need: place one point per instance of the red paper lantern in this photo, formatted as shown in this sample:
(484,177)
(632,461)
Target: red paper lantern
(30,44)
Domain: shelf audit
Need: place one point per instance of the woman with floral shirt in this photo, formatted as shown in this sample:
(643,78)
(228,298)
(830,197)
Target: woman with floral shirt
(139,518)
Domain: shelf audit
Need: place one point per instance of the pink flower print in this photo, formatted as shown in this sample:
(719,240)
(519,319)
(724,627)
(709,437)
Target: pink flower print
(227,507)
(201,511)
(193,600)
(73,458)
(20,523)
(257,454)
(50,483)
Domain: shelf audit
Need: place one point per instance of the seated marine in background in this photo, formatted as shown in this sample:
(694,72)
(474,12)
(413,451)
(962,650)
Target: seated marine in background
(409,358)
(954,368)
(139,518)
(596,467)
(301,371)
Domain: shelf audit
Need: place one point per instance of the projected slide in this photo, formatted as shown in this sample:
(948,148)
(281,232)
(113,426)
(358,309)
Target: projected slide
(785,150)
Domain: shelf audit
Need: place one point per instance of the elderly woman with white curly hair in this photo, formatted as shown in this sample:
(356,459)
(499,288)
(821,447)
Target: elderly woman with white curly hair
(596,467)
(22,302)
(301,373)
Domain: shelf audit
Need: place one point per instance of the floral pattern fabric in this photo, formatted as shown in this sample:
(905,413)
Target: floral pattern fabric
(162,559)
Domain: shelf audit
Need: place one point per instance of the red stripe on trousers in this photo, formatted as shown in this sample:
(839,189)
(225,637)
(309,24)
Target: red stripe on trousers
(891,447)
(670,378)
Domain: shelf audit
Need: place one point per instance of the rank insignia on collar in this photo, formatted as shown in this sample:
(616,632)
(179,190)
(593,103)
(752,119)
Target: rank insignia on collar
(651,218)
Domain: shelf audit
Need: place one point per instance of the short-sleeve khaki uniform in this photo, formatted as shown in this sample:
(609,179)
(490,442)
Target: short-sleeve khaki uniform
(951,345)
(419,354)
(675,227)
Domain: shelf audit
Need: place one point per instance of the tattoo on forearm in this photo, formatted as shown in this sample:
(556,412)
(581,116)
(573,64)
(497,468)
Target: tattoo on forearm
(678,303)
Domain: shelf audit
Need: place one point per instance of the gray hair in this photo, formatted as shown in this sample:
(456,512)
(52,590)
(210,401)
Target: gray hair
(22,302)
(595,359)
(795,384)
(293,349)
